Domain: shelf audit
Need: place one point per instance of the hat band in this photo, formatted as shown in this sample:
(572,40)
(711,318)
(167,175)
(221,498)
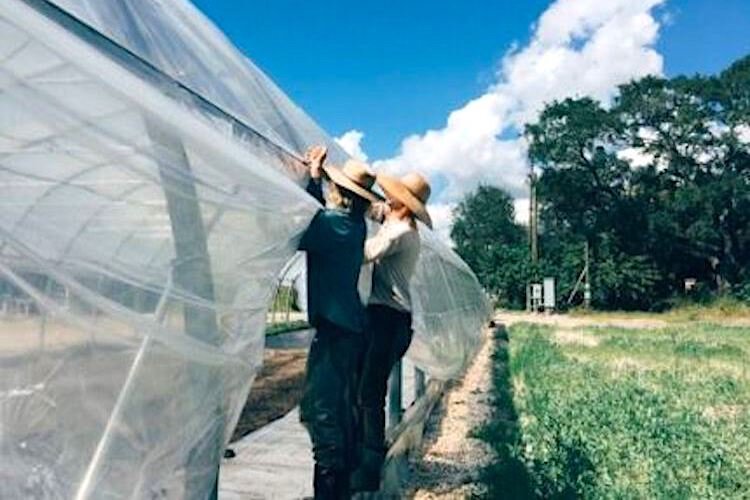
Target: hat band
(415,195)
(362,184)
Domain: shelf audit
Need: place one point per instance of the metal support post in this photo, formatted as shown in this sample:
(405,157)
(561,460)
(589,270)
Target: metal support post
(395,385)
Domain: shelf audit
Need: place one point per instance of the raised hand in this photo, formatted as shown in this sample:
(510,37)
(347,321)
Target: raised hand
(315,157)
(378,211)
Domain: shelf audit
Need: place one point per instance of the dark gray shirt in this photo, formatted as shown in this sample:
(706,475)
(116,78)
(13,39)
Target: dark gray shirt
(334,242)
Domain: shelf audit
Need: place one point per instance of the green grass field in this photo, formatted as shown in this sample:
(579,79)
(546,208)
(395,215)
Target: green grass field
(606,412)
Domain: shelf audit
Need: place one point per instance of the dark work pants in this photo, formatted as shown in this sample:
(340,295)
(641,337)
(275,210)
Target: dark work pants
(387,338)
(327,406)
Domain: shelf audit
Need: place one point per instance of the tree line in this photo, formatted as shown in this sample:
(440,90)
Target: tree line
(656,185)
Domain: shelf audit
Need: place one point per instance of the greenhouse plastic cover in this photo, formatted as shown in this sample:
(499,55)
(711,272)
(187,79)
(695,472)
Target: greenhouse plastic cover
(149,198)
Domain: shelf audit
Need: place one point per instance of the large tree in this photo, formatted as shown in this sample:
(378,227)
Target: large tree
(489,240)
(586,194)
(683,212)
(655,185)
(698,184)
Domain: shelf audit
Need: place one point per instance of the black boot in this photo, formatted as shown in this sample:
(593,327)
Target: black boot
(342,486)
(331,484)
(366,477)
(324,483)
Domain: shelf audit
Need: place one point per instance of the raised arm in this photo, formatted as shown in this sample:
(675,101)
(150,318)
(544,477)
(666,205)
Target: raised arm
(385,242)
(314,159)
(315,189)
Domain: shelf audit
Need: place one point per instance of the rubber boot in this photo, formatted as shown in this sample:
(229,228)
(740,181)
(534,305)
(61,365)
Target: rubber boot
(331,484)
(366,477)
(325,484)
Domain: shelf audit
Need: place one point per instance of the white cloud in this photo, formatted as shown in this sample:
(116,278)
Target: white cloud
(578,47)
(442,216)
(351,142)
(636,157)
(521,207)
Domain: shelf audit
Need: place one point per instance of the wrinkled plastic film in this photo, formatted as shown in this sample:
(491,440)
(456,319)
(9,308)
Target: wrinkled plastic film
(449,310)
(140,247)
(149,200)
(178,39)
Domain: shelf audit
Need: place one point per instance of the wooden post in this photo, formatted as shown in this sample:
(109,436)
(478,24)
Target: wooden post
(587,283)
(395,396)
(533,219)
(420,384)
(288,304)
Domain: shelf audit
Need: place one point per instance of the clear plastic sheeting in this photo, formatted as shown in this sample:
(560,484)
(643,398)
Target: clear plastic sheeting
(140,244)
(177,38)
(450,310)
(149,199)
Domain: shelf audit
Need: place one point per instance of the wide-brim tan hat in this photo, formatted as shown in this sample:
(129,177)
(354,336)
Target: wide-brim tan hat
(354,176)
(412,190)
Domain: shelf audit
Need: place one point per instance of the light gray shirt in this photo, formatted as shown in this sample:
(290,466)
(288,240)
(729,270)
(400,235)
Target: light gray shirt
(394,250)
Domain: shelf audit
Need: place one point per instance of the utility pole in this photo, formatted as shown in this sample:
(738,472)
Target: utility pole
(533,218)
(587,274)
(533,245)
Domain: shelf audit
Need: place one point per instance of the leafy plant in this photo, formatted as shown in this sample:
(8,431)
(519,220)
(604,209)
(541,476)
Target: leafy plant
(612,420)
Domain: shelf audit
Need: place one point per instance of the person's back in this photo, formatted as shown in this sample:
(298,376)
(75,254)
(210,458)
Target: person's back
(334,260)
(334,243)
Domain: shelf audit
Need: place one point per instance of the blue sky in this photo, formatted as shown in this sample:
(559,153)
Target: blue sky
(392,69)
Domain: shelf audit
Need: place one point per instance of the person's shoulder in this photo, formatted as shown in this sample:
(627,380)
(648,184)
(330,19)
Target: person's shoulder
(340,220)
(402,228)
(332,215)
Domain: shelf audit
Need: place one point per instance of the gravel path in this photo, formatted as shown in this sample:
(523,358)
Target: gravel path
(451,460)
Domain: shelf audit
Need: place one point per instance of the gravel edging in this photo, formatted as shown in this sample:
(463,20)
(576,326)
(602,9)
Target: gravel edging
(451,460)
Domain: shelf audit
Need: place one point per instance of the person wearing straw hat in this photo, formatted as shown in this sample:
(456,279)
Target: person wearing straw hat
(394,251)
(334,244)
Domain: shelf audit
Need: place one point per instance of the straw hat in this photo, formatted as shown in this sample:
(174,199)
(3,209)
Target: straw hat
(412,190)
(356,177)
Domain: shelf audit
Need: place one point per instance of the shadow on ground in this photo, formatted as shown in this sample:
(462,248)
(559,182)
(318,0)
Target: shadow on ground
(506,476)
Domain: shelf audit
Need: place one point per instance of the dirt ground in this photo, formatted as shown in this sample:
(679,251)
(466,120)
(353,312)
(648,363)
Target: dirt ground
(276,390)
(564,321)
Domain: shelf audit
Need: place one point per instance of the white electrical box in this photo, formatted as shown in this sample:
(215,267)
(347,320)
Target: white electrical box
(549,294)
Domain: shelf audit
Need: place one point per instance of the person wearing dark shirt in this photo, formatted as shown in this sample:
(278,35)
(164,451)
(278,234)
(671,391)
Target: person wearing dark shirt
(334,243)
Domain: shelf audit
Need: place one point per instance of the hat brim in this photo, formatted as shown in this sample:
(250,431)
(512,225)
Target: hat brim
(338,177)
(395,188)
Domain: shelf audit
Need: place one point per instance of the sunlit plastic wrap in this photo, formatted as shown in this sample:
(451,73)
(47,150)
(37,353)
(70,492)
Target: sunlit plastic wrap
(449,307)
(149,198)
(175,37)
(141,234)
(450,310)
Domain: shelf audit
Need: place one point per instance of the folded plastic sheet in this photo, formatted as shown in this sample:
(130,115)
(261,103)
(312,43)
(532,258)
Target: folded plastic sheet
(450,310)
(141,238)
(149,199)
(175,37)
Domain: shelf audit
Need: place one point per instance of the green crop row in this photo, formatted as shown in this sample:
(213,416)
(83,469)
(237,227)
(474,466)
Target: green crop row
(592,421)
